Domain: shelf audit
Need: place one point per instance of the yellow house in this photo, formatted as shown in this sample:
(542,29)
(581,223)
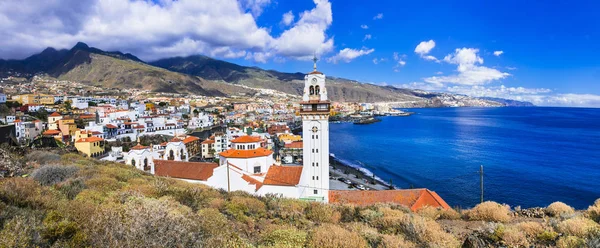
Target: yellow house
(82,134)
(34,99)
(92,146)
(67,126)
(149,106)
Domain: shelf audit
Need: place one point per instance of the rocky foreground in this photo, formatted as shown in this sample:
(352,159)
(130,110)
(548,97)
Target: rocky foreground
(53,200)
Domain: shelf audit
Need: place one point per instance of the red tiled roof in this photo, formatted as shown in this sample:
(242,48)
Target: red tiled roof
(314,72)
(184,170)
(252,181)
(90,139)
(55,114)
(246,139)
(295,144)
(175,139)
(411,198)
(190,139)
(139,127)
(110,126)
(283,175)
(51,132)
(259,152)
(139,147)
(17,121)
(208,141)
(87,116)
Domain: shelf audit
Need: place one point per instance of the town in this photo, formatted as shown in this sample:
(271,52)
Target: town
(253,143)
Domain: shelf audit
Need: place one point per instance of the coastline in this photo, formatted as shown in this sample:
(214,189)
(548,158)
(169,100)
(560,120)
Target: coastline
(347,169)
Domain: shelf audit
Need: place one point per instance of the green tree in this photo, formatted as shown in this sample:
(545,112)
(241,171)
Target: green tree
(162,104)
(67,105)
(92,104)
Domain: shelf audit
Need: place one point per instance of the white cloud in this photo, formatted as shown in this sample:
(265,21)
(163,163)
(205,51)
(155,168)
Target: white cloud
(287,18)
(347,55)
(377,61)
(364,26)
(430,58)
(255,6)
(439,73)
(156,30)
(469,73)
(400,61)
(378,16)
(498,53)
(511,68)
(424,47)
(367,37)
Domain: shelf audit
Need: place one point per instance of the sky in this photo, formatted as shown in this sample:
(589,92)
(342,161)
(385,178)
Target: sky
(545,52)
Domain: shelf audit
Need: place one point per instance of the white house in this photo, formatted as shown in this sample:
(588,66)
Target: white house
(2,98)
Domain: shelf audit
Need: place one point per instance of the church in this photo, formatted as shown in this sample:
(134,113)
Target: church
(250,167)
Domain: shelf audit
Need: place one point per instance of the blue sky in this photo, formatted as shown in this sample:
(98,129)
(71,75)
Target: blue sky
(546,52)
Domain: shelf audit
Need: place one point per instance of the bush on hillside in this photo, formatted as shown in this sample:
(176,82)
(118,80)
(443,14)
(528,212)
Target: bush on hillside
(593,212)
(53,174)
(570,242)
(322,213)
(513,237)
(333,236)
(394,241)
(288,237)
(490,211)
(42,157)
(531,228)
(577,226)
(559,208)
(426,232)
(21,231)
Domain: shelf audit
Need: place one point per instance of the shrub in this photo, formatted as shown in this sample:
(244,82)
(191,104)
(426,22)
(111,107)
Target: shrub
(21,192)
(212,221)
(333,236)
(426,232)
(42,157)
(56,227)
(513,237)
(322,213)
(368,233)
(593,212)
(558,209)
(570,242)
(240,206)
(71,188)
(53,174)
(531,228)
(287,208)
(429,212)
(144,222)
(393,241)
(449,214)
(21,231)
(103,184)
(288,237)
(547,236)
(577,226)
(490,211)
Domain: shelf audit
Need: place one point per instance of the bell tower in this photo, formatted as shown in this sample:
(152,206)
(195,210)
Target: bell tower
(314,110)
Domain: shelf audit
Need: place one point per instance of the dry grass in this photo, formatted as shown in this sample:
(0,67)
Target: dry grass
(531,228)
(490,211)
(577,226)
(570,242)
(514,237)
(394,241)
(593,212)
(426,232)
(559,208)
(430,212)
(333,236)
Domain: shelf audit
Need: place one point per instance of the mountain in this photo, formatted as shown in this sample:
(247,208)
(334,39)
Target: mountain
(203,75)
(509,103)
(339,89)
(95,67)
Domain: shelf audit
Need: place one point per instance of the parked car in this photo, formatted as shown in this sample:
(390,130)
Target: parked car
(348,181)
(341,179)
(360,186)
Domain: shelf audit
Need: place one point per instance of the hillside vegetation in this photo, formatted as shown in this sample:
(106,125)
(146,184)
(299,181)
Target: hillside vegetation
(71,201)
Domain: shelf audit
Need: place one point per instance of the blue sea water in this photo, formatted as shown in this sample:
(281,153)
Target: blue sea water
(531,156)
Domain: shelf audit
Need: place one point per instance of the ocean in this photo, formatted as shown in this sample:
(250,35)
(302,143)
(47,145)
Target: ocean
(531,156)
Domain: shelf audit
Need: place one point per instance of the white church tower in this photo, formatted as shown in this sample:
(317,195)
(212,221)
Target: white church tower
(314,110)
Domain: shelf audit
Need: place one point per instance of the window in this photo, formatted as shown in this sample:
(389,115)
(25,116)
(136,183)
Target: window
(317,164)
(316,192)
(317,177)
(256,169)
(313,177)
(317,136)
(317,150)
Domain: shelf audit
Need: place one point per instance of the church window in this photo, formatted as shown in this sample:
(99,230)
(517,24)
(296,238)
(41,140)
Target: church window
(317,177)
(317,90)
(317,164)
(312,90)
(316,192)
(256,169)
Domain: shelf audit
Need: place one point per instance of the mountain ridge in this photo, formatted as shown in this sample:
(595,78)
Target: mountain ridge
(203,75)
